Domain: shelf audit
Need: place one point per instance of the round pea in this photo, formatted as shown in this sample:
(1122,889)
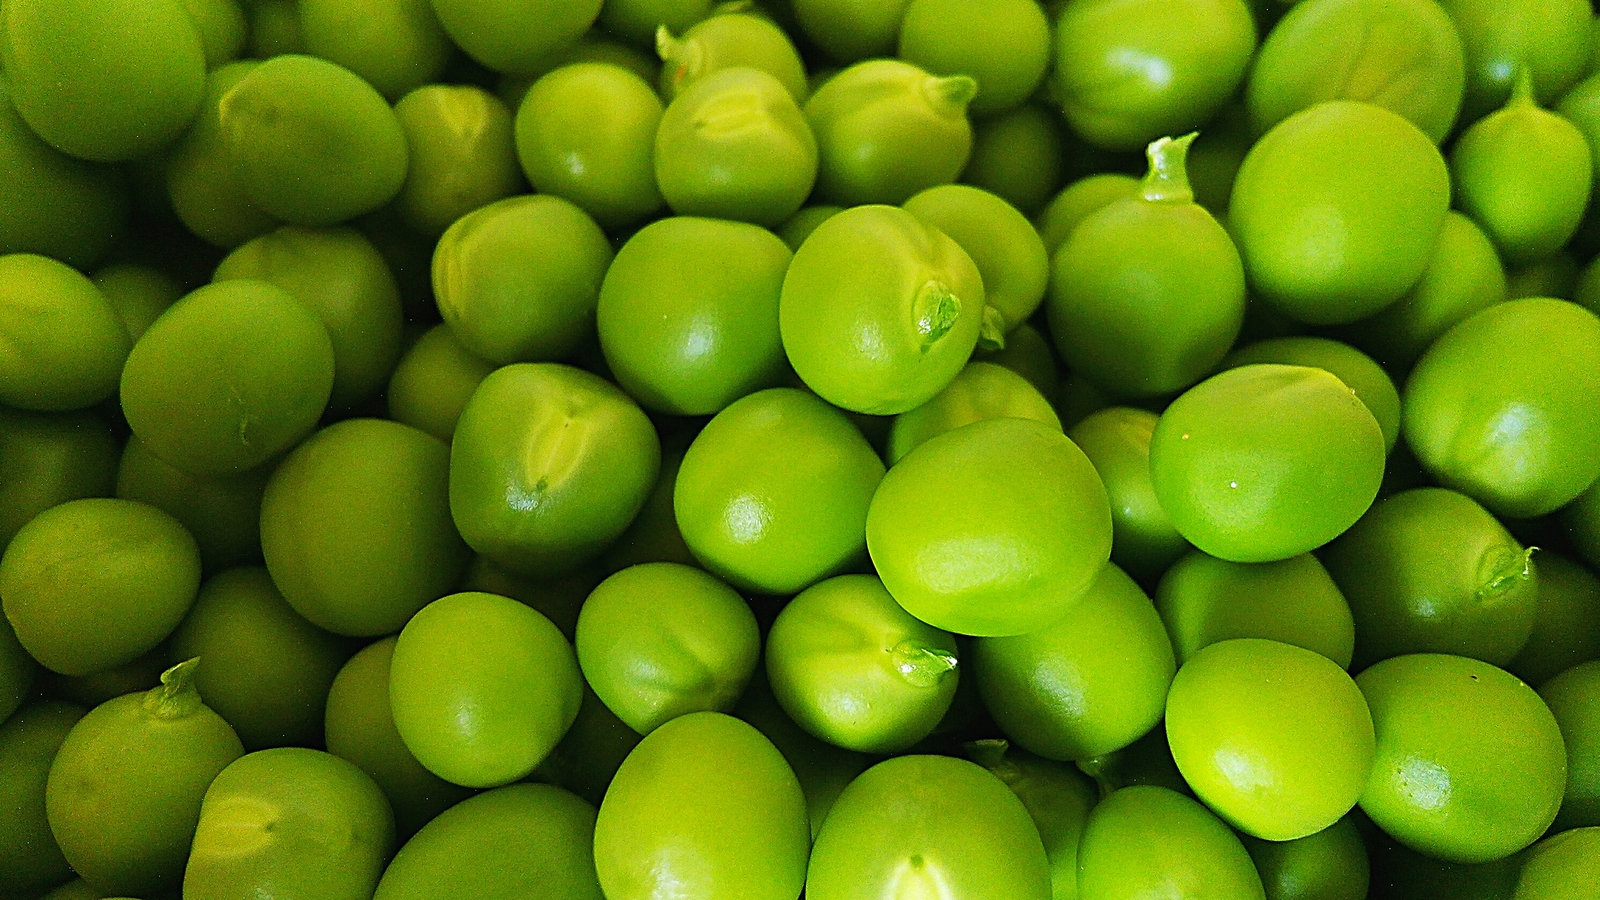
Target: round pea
(654,535)
(48,459)
(65,345)
(1145,840)
(1117,442)
(799,226)
(1551,38)
(1079,200)
(1008,252)
(1358,371)
(222,512)
(394,45)
(433,381)
(1003,45)
(1566,625)
(514,36)
(1017,156)
(982,390)
(1561,867)
(274,28)
(1329,865)
(850,30)
(1058,798)
(30,860)
(203,185)
(1028,353)
(1574,699)
(728,40)
(462,150)
(222,28)
(593,749)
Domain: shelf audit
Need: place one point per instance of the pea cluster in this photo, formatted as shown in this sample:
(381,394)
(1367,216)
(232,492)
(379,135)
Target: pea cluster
(879,449)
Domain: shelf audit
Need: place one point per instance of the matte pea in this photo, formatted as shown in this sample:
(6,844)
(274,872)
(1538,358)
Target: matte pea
(463,154)
(1146,839)
(96,688)
(1216,155)
(514,36)
(636,21)
(851,30)
(588,757)
(1058,797)
(1008,252)
(799,226)
(64,341)
(1566,623)
(1017,156)
(1554,275)
(1358,371)
(559,598)
(982,390)
(1552,38)
(222,28)
(1329,865)
(1028,353)
(1079,200)
(728,40)
(274,27)
(654,535)
(204,187)
(49,459)
(1117,442)
(30,860)
(433,382)
(1574,699)
(1581,107)
(222,512)
(1560,867)
(1004,46)
(138,293)
(394,45)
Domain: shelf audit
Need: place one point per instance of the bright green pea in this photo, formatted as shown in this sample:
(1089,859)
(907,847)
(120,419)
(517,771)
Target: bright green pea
(1582,520)
(64,345)
(585,133)
(982,390)
(1004,45)
(1057,797)
(1357,370)
(926,825)
(1117,442)
(105,80)
(1581,107)
(1147,841)
(851,30)
(1017,156)
(528,841)
(48,459)
(433,382)
(1566,625)
(743,835)
(1008,252)
(799,226)
(1574,699)
(660,640)
(879,310)
(1561,867)
(688,313)
(548,466)
(222,28)
(1500,407)
(125,789)
(204,186)
(222,512)
(138,293)
(1091,682)
(463,154)
(30,861)
(395,45)
(1329,865)
(728,40)
(1027,353)
(290,822)
(1550,37)
(654,535)
(637,21)
(588,757)
(1079,200)
(514,36)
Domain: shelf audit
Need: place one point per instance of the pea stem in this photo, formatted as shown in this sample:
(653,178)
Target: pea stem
(1522,89)
(950,95)
(1168,178)
(934,311)
(682,58)
(992,333)
(177,696)
(921,665)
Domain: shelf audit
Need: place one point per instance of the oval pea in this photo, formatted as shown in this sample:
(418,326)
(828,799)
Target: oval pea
(1144,839)
(30,859)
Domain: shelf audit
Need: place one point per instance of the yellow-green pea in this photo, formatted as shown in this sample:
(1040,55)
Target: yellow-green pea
(1058,798)
(274,28)
(1550,37)
(395,45)
(1017,156)
(1027,353)
(1008,252)
(48,459)
(728,40)
(1004,45)
(202,183)
(222,512)
(463,154)
(981,390)
(1117,442)
(1329,865)
(222,28)
(636,21)
(1574,699)
(30,861)
(96,688)
(64,341)
(1566,624)
(139,294)
(1077,201)
(592,751)
(1358,371)
(851,30)
(1145,840)
(514,36)
(1555,275)
(1561,867)
(433,382)
(799,226)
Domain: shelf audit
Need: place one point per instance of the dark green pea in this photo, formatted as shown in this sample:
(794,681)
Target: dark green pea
(585,133)
(274,28)
(139,294)
(1329,865)
(222,512)
(17,671)
(125,789)
(799,226)
(1582,520)
(851,30)
(1550,37)
(395,45)
(1079,398)
(30,861)
(222,28)
(1016,156)
(1142,841)
(1357,370)
(1004,246)
(1574,699)
(1145,761)
(1216,155)
(1581,107)
(1555,275)
(1561,867)
(886,129)
(1058,798)
(47,459)
(1204,600)
(1079,200)
(433,382)
(1566,627)
(559,598)
(1117,442)
(64,341)
(592,47)
(636,21)
(203,185)
(268,825)
(96,688)
(982,390)
(728,40)
(654,534)
(514,36)
(1027,353)
(463,154)
(1004,45)
(591,752)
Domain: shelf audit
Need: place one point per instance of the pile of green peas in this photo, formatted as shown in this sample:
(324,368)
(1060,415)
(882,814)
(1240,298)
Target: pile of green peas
(879,449)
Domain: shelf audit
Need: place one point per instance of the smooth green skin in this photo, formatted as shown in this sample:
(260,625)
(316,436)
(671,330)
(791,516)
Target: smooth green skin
(879,310)
(729,40)
(1017,562)
(773,493)
(30,861)
(636,21)
(585,132)
(1337,210)
(222,28)
(514,36)
(125,790)
(1499,407)
(928,826)
(688,313)
(482,688)
(274,28)
(1265,462)
(1017,156)
(1464,275)
(660,640)
(1147,841)
(56,205)
(1008,252)
(290,822)
(138,293)
(1058,799)
(1574,699)
(1204,600)
(1117,442)
(854,669)
(1561,867)
(1430,571)
(527,841)
(1127,73)
(1581,107)
(229,377)
(1470,765)
(548,466)
(394,45)
(1215,157)
(92,584)
(63,343)
(356,527)
(1582,520)
(982,390)
(799,226)
(206,192)
(76,889)
(339,275)
(359,727)
(886,129)
(1274,738)
(1004,46)
(851,30)
(1403,55)
(1550,37)
(744,835)
(1358,371)
(433,382)
(1566,625)
(1028,353)
(1329,865)
(1079,200)
(518,280)
(463,154)
(560,598)
(734,145)
(92,690)
(104,80)
(591,752)
(654,534)
(17,671)
(263,668)
(47,459)
(222,512)
(1091,682)
(1556,275)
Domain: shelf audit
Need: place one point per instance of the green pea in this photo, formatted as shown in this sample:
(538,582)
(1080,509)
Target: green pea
(981,391)
(879,310)
(1337,210)
(636,21)
(1484,415)
(1091,682)
(222,28)
(654,535)
(222,512)
(463,154)
(1117,442)
(65,345)
(1566,624)
(1004,46)
(1574,699)
(1554,275)
(1079,200)
(92,584)
(105,80)
(138,293)
(1147,761)
(728,40)
(588,757)
(359,726)
(1204,600)
(559,598)
(96,688)
(1552,39)
(528,841)
(1404,56)
(1008,252)
(48,459)
(1329,865)
(1561,867)
(1265,462)
(707,807)
(592,47)
(1581,107)
(17,671)
(1359,372)
(773,493)
(1142,841)
(30,861)
(585,133)
(394,45)
(125,790)
(799,226)
(660,640)
(433,382)
(1470,765)
(1128,73)
(514,36)
(924,825)
(1216,155)
(548,466)
(274,28)
(1027,353)
(203,185)
(851,30)
(1582,520)
(1017,156)
(269,822)
(1057,797)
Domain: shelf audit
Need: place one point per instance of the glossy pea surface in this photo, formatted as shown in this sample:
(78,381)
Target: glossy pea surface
(1359,372)
(1574,699)
(1146,840)
(728,40)
(1552,39)
(1329,865)
(1004,46)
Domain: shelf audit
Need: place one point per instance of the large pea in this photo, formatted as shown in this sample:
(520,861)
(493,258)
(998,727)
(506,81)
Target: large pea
(203,184)
(1566,626)
(1359,372)
(1552,37)
(1329,865)
(1009,254)
(30,860)
(1004,46)
(982,390)
(394,45)
(433,382)
(729,40)
(463,154)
